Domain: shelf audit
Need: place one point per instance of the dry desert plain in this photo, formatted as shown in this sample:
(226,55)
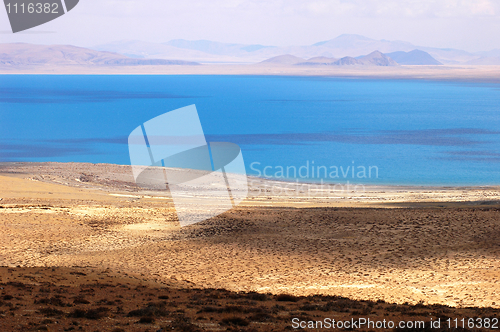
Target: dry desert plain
(83,248)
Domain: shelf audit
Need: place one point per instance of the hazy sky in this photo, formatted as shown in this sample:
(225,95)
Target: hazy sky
(466,24)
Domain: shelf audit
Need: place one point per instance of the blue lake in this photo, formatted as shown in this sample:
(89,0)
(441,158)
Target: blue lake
(404,131)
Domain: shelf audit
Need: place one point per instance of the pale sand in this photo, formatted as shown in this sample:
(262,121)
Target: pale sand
(448,72)
(446,249)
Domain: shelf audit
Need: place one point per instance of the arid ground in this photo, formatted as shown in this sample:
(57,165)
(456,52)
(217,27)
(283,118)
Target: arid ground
(432,250)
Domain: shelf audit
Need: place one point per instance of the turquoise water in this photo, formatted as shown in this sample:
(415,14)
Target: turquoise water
(404,131)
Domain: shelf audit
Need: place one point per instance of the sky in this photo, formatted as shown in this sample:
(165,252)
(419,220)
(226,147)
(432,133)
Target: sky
(470,25)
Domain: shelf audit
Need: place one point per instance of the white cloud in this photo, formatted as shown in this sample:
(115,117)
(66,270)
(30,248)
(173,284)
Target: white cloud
(366,8)
(446,23)
(397,8)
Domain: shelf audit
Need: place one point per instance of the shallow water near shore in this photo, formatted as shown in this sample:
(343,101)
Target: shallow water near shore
(403,132)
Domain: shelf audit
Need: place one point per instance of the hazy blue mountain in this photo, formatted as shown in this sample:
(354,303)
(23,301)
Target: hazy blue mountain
(347,61)
(286,59)
(216,48)
(448,55)
(341,46)
(492,53)
(487,58)
(485,61)
(20,54)
(318,61)
(377,58)
(354,45)
(141,49)
(415,57)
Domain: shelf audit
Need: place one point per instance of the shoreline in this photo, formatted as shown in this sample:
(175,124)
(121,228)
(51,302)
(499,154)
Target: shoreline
(456,73)
(281,181)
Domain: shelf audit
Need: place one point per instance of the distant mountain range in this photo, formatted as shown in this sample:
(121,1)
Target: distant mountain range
(342,51)
(337,48)
(319,61)
(485,61)
(375,58)
(286,59)
(20,54)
